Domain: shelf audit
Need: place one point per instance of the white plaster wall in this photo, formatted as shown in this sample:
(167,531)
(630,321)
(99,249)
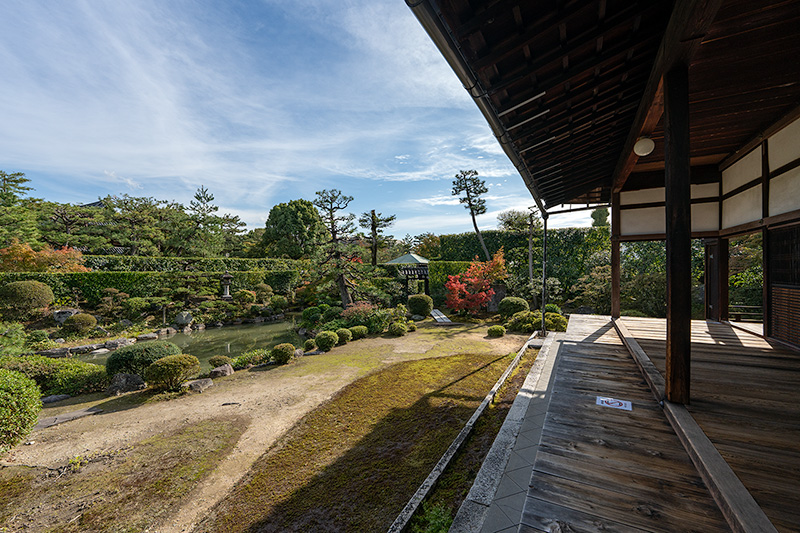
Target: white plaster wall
(642,221)
(784,146)
(706,190)
(746,169)
(784,192)
(644,196)
(742,208)
(705,217)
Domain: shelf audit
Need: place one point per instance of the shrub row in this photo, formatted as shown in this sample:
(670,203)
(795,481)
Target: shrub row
(129,263)
(19,408)
(148,284)
(58,376)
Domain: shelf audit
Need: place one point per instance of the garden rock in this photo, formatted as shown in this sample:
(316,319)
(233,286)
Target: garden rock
(147,337)
(125,383)
(184,318)
(55,352)
(417,318)
(199,326)
(199,385)
(221,371)
(125,323)
(186,329)
(166,331)
(101,331)
(55,398)
(113,344)
(298,352)
(217,324)
(100,351)
(86,348)
(59,340)
(63,314)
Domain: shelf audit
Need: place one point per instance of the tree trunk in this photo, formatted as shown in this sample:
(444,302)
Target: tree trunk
(343,292)
(480,237)
(374,241)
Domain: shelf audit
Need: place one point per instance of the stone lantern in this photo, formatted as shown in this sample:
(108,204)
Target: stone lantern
(226,286)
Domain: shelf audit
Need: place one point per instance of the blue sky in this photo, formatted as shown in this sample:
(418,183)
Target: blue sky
(260,101)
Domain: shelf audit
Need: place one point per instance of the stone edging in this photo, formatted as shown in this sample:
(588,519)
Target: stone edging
(472,513)
(408,511)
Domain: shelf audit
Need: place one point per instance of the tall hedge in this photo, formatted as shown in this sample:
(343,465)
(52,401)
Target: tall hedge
(130,263)
(146,284)
(437,276)
(19,408)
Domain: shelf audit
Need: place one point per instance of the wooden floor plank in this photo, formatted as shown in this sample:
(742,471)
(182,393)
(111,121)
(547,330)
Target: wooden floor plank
(746,397)
(606,469)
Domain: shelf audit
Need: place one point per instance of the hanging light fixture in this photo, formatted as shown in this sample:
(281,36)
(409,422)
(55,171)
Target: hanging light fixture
(644,146)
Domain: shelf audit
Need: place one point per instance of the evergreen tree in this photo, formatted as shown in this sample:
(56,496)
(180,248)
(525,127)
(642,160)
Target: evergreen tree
(471,188)
(339,255)
(375,223)
(600,217)
(292,230)
(17,212)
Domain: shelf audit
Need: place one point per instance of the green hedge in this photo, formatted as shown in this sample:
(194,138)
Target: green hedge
(58,376)
(19,408)
(148,284)
(437,277)
(129,263)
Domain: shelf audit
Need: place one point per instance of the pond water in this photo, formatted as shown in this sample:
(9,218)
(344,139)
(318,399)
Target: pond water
(230,341)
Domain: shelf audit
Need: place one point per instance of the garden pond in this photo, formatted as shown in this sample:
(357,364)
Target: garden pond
(230,340)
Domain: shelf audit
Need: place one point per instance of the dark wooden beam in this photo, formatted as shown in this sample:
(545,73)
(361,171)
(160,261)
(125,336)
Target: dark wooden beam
(615,256)
(687,26)
(679,233)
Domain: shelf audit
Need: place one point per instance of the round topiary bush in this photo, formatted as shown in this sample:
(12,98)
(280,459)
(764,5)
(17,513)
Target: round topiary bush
(244,297)
(551,308)
(420,304)
(170,371)
(282,353)
(332,313)
(219,360)
(398,329)
(555,322)
(309,345)
(134,359)
(326,340)
(410,326)
(22,298)
(511,305)
(82,323)
(359,332)
(278,302)
(344,335)
(19,408)
(496,331)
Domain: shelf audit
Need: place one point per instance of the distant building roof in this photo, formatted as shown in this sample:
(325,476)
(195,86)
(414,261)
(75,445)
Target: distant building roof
(408,259)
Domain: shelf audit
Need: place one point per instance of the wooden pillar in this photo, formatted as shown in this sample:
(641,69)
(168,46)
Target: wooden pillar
(766,302)
(615,256)
(724,275)
(678,225)
(713,279)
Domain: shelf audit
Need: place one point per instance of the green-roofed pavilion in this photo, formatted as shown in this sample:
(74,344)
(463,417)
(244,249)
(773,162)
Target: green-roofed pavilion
(408,259)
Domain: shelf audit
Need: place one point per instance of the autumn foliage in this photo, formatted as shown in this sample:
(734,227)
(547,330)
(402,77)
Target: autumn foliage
(20,257)
(472,290)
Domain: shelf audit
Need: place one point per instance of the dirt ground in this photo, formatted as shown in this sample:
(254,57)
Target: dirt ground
(273,400)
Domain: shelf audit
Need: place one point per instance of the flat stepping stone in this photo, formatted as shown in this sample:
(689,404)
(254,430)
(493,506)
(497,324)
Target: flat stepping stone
(66,417)
(439,317)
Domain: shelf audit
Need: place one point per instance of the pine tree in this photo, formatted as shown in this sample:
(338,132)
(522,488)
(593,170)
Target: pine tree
(471,187)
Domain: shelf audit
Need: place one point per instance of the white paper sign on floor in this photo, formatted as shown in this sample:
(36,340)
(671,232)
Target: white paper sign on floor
(614,403)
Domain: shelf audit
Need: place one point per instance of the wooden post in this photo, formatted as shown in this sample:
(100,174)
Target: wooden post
(723,281)
(544,270)
(615,256)
(766,302)
(713,279)
(678,225)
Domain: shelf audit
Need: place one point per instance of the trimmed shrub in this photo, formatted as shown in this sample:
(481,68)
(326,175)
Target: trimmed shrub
(263,293)
(344,335)
(25,297)
(59,376)
(170,371)
(551,308)
(512,304)
(411,326)
(253,357)
(555,322)
(282,353)
(332,313)
(244,297)
(309,345)
(12,338)
(82,323)
(496,331)
(326,340)
(134,359)
(35,338)
(420,304)
(219,360)
(525,321)
(311,316)
(19,408)
(278,302)
(359,332)
(398,329)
